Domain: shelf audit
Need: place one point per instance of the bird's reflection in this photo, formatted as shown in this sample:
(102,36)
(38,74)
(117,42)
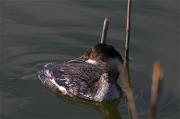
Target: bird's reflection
(107,110)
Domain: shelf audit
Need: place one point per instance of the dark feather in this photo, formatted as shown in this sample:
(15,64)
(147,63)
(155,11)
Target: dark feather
(78,78)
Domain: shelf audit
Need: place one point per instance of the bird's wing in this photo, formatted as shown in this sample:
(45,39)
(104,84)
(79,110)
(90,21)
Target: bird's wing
(77,78)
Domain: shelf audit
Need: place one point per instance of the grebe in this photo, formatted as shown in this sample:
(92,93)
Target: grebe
(92,77)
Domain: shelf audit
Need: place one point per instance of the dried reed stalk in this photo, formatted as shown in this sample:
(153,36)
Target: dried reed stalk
(125,85)
(156,77)
(104,31)
(125,79)
(128,27)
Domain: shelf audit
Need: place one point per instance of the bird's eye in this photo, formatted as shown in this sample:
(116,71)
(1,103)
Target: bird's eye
(90,53)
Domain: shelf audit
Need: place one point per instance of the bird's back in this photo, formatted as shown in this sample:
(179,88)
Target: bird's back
(75,79)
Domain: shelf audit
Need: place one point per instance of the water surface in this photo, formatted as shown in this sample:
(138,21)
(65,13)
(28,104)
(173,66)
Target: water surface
(36,32)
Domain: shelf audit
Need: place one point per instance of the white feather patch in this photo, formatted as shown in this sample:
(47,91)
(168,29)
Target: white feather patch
(90,61)
(60,88)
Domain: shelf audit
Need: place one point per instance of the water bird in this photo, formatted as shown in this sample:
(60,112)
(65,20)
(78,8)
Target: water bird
(91,77)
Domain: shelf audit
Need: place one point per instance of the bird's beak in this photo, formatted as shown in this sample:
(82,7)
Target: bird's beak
(81,59)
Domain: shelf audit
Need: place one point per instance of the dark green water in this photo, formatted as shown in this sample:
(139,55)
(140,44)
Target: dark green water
(34,32)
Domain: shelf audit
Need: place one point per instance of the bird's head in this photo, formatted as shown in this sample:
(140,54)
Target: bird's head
(103,55)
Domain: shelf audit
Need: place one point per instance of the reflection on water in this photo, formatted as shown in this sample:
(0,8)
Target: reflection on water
(36,32)
(107,110)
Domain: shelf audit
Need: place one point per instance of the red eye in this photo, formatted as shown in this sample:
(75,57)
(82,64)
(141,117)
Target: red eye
(91,55)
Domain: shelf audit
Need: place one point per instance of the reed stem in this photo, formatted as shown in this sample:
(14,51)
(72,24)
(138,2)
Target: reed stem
(125,76)
(126,87)
(104,31)
(156,77)
(128,27)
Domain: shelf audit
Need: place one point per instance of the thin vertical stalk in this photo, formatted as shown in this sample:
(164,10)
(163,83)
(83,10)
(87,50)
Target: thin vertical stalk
(128,27)
(156,77)
(125,76)
(104,31)
(126,87)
